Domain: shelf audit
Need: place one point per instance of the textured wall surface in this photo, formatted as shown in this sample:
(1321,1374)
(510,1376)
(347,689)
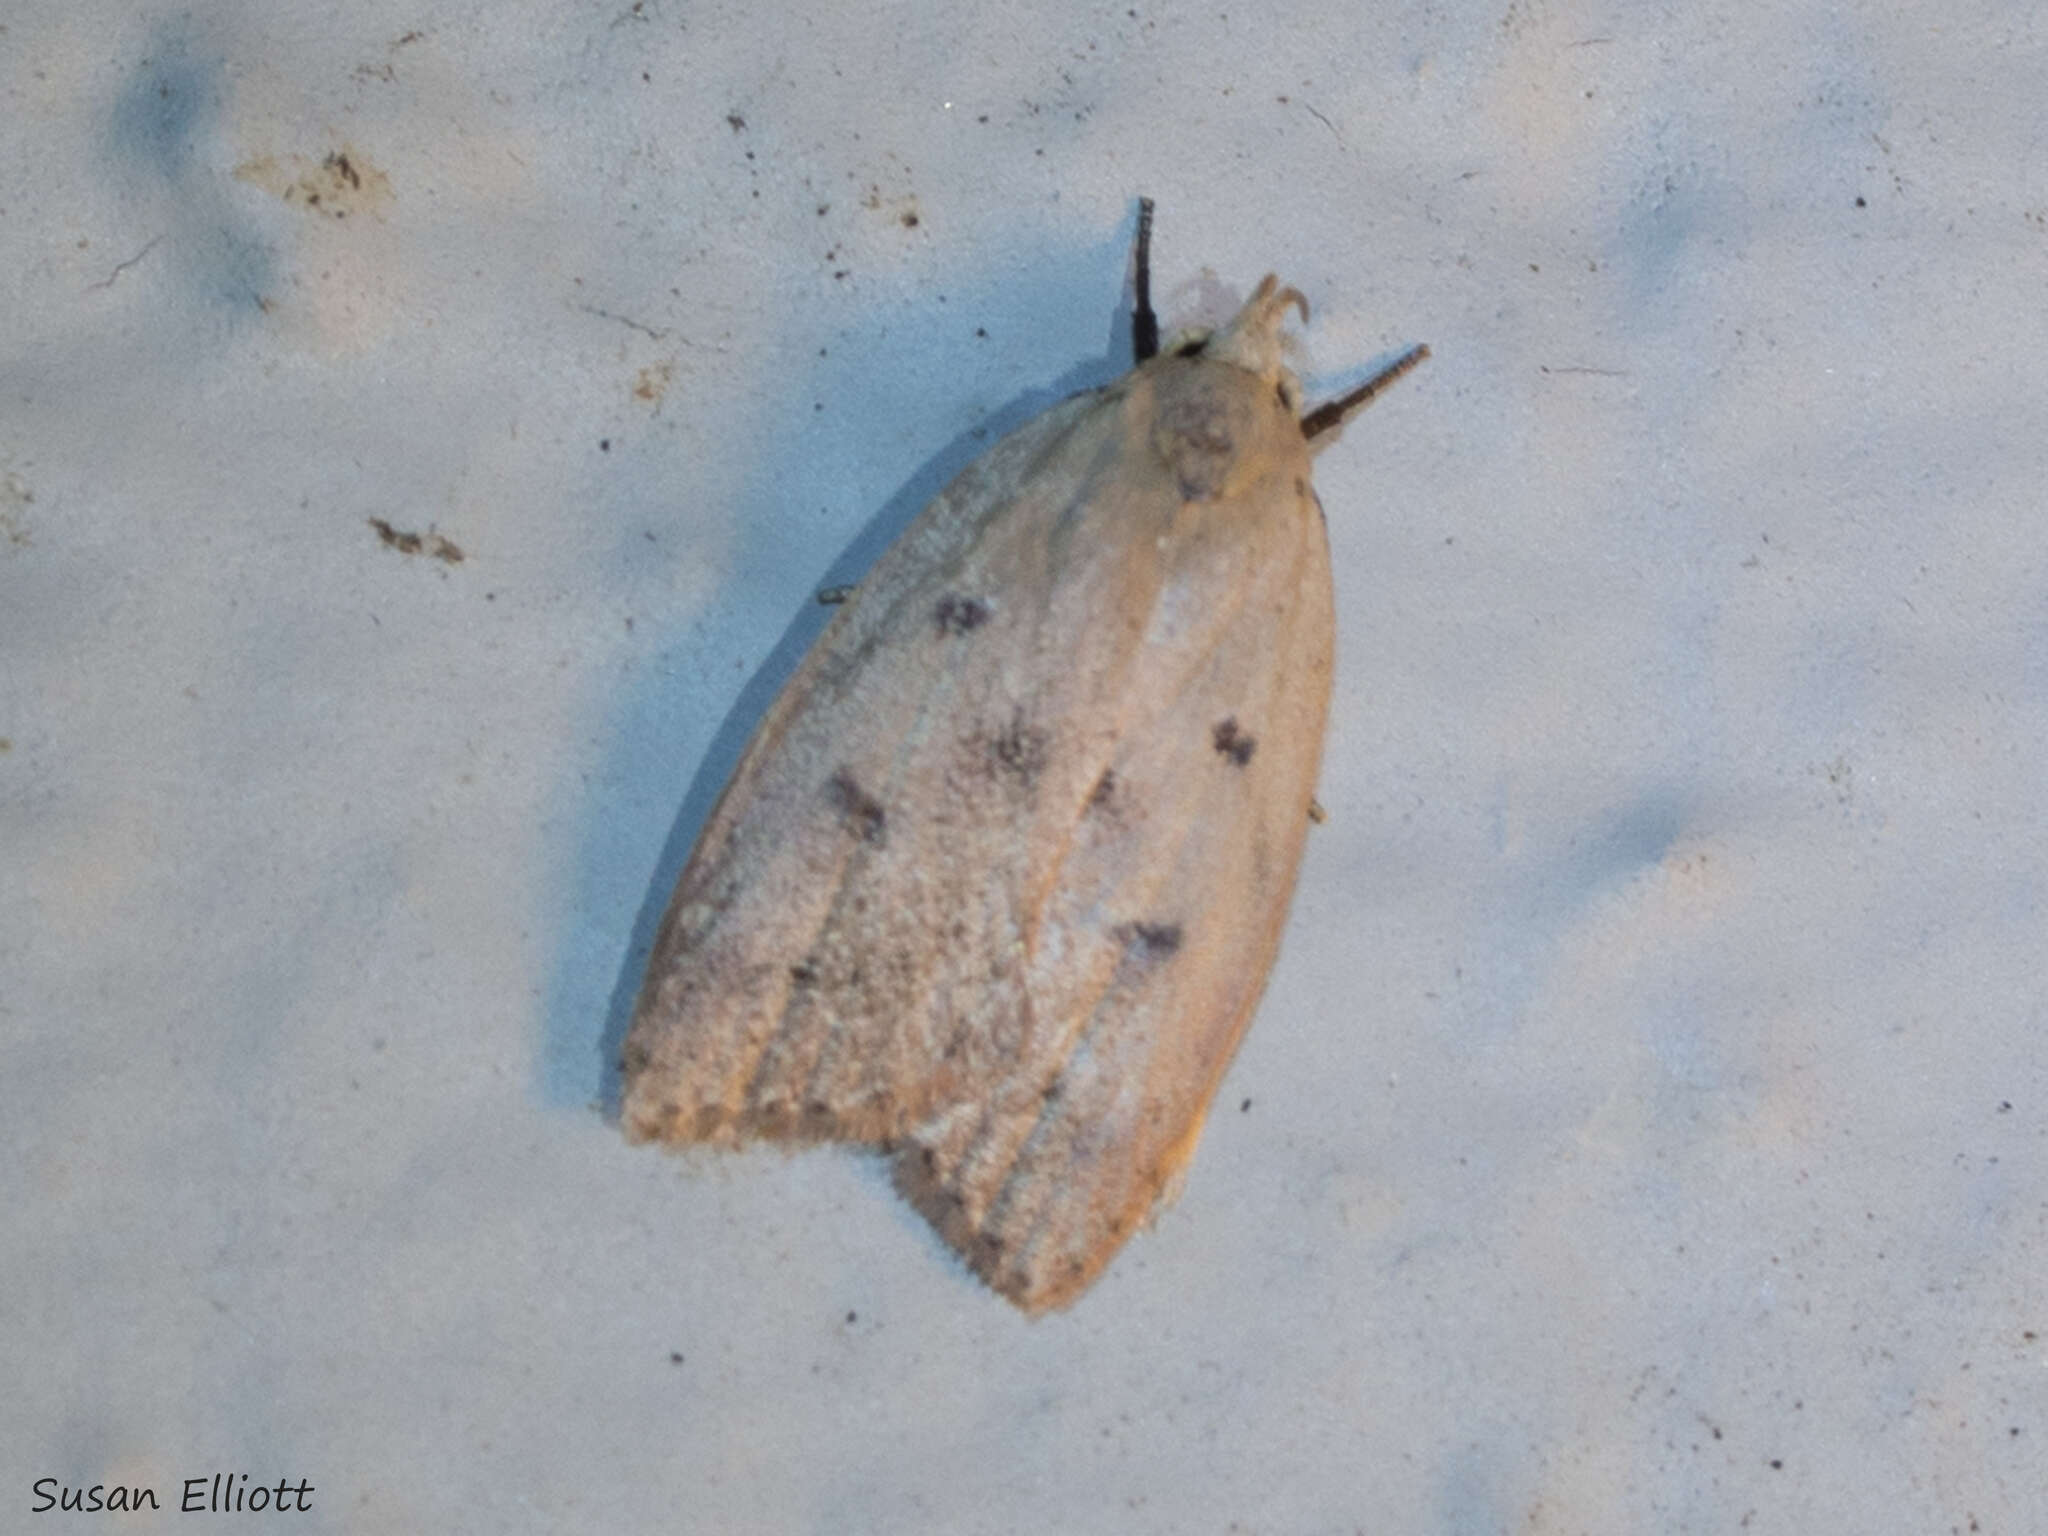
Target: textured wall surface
(422,429)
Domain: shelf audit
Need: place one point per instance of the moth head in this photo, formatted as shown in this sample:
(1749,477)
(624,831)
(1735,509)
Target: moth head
(1253,340)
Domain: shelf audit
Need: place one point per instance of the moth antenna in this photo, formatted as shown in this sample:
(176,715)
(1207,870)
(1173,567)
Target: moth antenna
(1334,413)
(1144,323)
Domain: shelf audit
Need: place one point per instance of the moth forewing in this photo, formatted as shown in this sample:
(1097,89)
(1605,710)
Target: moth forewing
(999,879)
(1159,934)
(796,846)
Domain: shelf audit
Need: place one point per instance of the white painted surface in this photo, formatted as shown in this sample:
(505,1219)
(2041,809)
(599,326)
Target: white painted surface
(1648,1122)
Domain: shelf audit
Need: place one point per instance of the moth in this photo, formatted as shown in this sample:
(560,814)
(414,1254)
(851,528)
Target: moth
(997,883)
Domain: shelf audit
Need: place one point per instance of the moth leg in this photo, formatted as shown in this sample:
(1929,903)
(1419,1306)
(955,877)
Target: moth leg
(1333,413)
(1144,323)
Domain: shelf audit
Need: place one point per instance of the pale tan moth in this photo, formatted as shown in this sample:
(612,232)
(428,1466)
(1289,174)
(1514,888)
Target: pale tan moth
(997,883)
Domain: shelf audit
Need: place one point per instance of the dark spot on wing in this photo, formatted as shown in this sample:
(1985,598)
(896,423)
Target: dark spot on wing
(1148,941)
(1020,749)
(956,615)
(1104,790)
(804,974)
(861,811)
(1233,741)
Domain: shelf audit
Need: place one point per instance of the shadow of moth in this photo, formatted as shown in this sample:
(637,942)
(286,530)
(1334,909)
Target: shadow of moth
(998,881)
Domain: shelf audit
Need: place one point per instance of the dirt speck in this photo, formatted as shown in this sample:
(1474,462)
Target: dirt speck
(15,499)
(429,543)
(652,382)
(337,185)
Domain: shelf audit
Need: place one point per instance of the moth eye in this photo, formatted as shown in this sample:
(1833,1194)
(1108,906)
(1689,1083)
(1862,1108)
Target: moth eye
(1233,740)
